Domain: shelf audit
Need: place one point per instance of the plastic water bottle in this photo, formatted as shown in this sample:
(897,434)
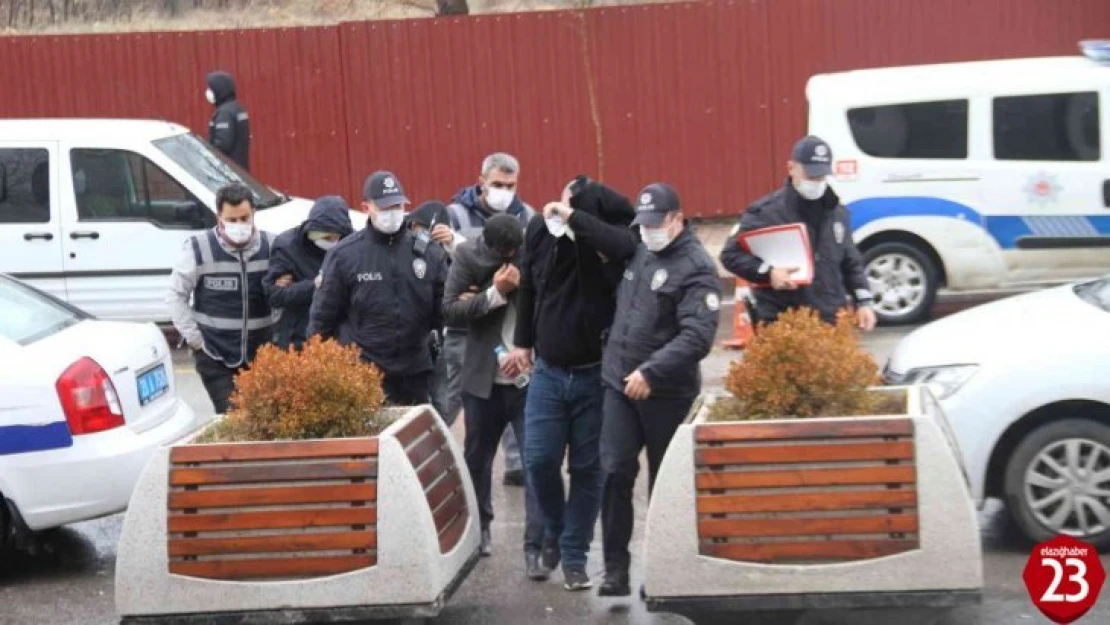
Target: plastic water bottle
(521,380)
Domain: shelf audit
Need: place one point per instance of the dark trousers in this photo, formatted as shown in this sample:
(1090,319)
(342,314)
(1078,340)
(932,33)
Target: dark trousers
(218,379)
(627,428)
(563,418)
(407,390)
(486,420)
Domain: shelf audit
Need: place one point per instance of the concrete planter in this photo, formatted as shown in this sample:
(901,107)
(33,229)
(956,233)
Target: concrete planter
(797,514)
(328,530)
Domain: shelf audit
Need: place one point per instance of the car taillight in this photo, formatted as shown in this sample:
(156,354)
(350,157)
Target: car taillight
(89,398)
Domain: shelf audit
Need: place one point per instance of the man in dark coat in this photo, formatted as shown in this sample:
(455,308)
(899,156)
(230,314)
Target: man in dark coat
(295,266)
(229,129)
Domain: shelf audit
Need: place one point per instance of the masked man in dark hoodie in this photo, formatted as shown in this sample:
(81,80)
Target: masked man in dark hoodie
(565,305)
(229,129)
(295,266)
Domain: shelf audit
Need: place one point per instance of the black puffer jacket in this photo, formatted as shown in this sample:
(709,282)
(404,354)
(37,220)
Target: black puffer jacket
(378,293)
(229,129)
(293,254)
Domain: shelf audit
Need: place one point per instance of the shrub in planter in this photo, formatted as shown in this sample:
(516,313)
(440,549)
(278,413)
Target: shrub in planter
(809,485)
(309,500)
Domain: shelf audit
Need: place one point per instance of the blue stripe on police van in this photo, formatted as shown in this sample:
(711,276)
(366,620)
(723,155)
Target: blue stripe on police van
(22,439)
(1005,229)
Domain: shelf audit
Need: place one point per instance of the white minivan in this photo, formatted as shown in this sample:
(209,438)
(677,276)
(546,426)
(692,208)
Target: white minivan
(970,176)
(95,212)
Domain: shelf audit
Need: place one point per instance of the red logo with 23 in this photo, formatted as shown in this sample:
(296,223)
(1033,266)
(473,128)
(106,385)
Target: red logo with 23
(1064,577)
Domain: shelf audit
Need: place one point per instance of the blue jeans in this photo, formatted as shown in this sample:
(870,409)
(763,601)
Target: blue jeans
(563,413)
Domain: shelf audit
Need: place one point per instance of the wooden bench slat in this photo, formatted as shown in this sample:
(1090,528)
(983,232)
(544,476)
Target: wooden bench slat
(426,448)
(745,528)
(281,450)
(273,519)
(724,480)
(273,543)
(450,535)
(793,430)
(416,427)
(816,550)
(269,568)
(443,489)
(275,473)
(236,497)
(796,502)
(436,467)
(454,505)
(792,454)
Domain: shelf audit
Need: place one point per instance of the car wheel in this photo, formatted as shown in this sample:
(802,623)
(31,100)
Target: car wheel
(903,280)
(1058,482)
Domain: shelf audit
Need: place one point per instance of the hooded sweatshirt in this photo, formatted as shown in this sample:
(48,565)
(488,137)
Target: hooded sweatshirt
(295,255)
(229,129)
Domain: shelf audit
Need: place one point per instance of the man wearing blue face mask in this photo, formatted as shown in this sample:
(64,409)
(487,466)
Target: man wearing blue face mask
(383,291)
(295,264)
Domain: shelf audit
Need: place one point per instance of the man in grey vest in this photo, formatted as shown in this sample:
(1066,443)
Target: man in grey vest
(221,270)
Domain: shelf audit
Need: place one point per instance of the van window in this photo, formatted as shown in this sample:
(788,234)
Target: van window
(933,130)
(214,170)
(1049,127)
(118,185)
(24,186)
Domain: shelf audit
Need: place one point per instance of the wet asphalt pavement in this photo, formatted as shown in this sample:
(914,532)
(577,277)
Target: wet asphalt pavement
(68,578)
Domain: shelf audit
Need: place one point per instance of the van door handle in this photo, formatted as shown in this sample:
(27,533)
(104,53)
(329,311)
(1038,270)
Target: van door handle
(84,235)
(1106,193)
(31,236)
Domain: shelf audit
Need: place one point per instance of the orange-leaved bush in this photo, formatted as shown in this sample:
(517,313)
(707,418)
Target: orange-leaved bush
(324,390)
(801,366)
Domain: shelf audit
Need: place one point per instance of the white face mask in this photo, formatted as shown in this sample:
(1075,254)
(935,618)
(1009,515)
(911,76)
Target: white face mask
(499,199)
(655,239)
(211,97)
(238,233)
(325,244)
(388,221)
(811,189)
(555,225)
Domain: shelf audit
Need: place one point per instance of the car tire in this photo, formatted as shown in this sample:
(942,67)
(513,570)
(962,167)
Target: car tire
(896,265)
(1051,441)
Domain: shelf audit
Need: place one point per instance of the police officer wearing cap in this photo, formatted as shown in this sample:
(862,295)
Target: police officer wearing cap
(666,318)
(383,291)
(838,267)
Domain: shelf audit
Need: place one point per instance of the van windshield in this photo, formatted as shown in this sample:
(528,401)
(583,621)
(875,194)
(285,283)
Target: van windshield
(27,316)
(1096,293)
(215,170)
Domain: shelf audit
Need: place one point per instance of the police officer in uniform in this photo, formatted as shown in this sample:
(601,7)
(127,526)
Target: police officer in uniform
(666,318)
(838,267)
(382,290)
(221,270)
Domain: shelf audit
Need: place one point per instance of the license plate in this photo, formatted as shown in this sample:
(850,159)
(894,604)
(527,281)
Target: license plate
(153,384)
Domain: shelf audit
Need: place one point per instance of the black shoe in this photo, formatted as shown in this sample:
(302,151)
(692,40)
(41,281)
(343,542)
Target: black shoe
(537,572)
(575,578)
(513,478)
(487,544)
(615,585)
(551,556)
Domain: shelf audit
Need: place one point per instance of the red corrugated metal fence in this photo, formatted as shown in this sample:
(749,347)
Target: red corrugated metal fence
(705,95)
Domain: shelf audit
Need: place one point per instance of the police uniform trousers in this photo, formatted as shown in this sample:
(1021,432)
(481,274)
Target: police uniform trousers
(218,379)
(407,390)
(627,427)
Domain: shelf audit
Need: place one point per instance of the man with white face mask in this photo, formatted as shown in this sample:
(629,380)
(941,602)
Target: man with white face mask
(838,267)
(221,272)
(383,291)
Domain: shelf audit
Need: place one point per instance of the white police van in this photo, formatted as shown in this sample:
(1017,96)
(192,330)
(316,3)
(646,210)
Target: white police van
(971,175)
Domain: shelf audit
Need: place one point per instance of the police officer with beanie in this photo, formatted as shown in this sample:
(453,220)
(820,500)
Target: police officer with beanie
(221,270)
(838,267)
(382,290)
(666,319)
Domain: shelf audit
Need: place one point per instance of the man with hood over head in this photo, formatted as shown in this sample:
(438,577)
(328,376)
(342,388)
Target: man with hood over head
(295,264)
(229,130)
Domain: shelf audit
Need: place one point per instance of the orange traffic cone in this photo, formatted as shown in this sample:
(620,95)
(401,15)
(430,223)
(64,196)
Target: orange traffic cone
(742,330)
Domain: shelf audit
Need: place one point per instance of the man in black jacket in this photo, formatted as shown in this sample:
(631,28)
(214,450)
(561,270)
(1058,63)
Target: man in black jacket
(667,313)
(838,267)
(380,292)
(295,264)
(566,303)
(229,129)
(493,391)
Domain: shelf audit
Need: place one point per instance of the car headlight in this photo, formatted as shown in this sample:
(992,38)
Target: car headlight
(945,380)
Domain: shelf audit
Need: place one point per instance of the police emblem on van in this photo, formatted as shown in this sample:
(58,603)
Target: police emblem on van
(1042,188)
(217,283)
(659,279)
(838,232)
(419,267)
